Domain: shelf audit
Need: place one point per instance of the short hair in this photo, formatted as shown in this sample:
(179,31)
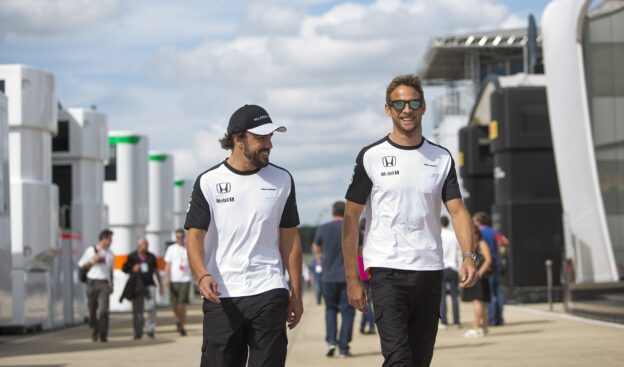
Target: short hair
(106,233)
(227,141)
(483,218)
(180,231)
(444,221)
(338,209)
(410,80)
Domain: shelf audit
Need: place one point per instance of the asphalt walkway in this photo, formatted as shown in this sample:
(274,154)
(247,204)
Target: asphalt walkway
(531,337)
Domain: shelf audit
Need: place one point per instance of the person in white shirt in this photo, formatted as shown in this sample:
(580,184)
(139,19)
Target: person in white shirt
(242,222)
(403,180)
(178,279)
(451,276)
(99,260)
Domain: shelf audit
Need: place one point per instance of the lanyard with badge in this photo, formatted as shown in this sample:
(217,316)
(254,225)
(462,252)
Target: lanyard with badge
(143,265)
(183,259)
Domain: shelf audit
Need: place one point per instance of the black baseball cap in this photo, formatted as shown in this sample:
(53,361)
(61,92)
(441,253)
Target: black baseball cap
(254,119)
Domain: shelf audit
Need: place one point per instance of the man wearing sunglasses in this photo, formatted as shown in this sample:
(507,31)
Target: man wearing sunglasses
(402,180)
(242,222)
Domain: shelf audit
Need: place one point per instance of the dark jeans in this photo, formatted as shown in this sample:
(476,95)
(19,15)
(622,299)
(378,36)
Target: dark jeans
(406,306)
(247,330)
(367,317)
(449,286)
(138,307)
(318,287)
(335,295)
(98,292)
(495,307)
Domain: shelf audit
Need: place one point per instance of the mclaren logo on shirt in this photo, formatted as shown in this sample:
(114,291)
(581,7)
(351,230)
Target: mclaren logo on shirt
(224,187)
(389,161)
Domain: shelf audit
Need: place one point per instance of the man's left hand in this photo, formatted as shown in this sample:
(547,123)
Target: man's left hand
(295,310)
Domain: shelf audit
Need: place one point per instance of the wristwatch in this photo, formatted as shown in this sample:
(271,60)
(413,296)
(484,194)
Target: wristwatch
(473,256)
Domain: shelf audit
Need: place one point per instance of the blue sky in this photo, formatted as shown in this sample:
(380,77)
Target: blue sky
(177,70)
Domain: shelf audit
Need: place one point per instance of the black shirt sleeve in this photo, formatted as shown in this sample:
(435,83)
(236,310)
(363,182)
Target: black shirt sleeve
(361,185)
(290,215)
(198,213)
(450,190)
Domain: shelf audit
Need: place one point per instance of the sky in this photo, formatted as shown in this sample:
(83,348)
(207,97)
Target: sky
(176,71)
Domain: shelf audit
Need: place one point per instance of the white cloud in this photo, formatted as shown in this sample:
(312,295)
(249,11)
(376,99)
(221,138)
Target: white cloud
(44,16)
(273,19)
(176,71)
(514,21)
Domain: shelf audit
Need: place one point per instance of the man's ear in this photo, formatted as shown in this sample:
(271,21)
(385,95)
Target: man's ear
(238,140)
(388,109)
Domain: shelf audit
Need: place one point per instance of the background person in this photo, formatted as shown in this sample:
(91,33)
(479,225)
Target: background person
(495,305)
(451,276)
(99,259)
(141,289)
(480,293)
(327,249)
(178,279)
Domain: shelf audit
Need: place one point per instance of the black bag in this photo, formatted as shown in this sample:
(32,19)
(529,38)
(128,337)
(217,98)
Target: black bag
(82,271)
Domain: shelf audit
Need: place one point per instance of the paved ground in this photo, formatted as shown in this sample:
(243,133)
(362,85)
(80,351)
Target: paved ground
(532,337)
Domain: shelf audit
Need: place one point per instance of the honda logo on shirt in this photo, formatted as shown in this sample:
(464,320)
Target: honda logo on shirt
(224,187)
(389,161)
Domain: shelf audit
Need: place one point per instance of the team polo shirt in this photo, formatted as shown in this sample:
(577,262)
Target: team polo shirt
(242,213)
(403,189)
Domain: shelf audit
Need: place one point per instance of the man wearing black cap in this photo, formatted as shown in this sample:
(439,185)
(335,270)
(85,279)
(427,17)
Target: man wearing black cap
(242,222)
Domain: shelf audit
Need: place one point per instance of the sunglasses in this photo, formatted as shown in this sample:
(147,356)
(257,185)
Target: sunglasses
(399,105)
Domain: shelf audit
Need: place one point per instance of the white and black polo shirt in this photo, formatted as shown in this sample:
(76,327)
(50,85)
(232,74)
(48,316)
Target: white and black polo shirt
(403,189)
(242,213)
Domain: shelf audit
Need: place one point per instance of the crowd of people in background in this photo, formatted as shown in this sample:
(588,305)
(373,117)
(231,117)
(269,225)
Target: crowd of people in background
(143,284)
(486,296)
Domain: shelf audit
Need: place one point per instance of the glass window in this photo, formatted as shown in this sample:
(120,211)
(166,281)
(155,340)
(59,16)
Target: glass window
(604,57)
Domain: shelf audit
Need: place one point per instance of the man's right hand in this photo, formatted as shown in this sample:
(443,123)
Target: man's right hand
(357,295)
(208,289)
(136,268)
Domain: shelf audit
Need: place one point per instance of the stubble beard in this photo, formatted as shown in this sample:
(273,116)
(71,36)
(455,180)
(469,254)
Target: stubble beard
(410,132)
(254,156)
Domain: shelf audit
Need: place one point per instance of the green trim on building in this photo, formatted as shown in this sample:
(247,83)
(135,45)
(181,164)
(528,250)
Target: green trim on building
(179,183)
(126,139)
(158,157)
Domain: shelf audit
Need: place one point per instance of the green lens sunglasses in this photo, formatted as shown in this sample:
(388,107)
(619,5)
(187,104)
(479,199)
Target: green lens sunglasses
(399,105)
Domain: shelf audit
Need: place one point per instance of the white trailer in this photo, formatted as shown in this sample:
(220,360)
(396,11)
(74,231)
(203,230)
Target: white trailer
(126,190)
(181,197)
(6,297)
(32,111)
(160,227)
(79,152)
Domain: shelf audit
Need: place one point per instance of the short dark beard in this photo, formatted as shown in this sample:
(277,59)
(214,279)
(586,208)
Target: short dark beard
(397,124)
(254,157)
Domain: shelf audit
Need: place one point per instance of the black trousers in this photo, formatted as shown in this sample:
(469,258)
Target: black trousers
(246,330)
(406,307)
